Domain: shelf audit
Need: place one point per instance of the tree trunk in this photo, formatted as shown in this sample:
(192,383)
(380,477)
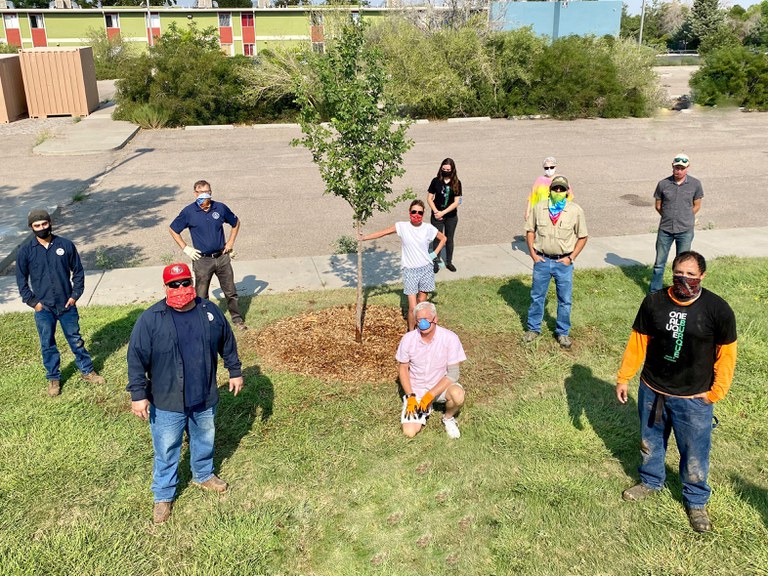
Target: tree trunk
(359,303)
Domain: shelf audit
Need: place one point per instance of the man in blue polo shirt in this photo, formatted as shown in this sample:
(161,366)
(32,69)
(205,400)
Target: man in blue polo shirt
(209,252)
(678,200)
(50,278)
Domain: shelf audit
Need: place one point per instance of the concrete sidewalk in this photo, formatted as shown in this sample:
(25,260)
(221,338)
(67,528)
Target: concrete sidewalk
(280,275)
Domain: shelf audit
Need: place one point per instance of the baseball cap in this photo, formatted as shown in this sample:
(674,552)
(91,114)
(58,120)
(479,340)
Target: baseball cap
(681,160)
(559,181)
(178,271)
(37,216)
(550,161)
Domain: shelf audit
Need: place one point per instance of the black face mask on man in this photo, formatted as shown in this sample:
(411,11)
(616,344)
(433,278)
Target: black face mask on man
(44,233)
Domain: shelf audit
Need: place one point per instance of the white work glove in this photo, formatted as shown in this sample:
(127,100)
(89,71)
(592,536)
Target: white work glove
(192,253)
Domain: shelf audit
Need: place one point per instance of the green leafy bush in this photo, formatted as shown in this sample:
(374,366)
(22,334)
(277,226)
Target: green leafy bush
(578,77)
(470,70)
(187,77)
(8,49)
(732,75)
(110,55)
(149,117)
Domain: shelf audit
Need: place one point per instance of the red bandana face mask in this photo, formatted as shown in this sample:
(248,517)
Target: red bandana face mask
(179,297)
(686,288)
(417,218)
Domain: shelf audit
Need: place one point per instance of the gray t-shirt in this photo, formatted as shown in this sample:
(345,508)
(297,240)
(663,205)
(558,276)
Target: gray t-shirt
(677,203)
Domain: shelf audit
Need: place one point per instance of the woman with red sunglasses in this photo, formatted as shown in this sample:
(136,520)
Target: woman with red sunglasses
(415,258)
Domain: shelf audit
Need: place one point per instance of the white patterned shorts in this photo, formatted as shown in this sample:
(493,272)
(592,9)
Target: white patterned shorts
(417,280)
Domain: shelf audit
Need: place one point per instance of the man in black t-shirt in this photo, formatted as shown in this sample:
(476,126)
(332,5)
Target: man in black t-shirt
(687,337)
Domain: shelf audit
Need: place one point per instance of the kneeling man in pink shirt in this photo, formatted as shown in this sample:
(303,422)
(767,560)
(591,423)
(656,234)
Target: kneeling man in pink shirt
(429,359)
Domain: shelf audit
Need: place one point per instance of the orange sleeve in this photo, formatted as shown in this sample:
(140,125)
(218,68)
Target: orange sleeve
(725,362)
(634,355)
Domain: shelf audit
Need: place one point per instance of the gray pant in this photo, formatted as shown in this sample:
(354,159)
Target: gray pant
(205,268)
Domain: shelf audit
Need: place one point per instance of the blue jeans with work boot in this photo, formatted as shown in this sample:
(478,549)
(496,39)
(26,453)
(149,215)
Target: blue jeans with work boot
(691,420)
(167,430)
(45,321)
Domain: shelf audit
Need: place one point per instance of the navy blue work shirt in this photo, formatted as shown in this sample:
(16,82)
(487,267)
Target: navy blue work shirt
(155,361)
(50,275)
(206,228)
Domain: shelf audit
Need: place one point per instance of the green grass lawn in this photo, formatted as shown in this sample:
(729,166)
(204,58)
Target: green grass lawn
(323,482)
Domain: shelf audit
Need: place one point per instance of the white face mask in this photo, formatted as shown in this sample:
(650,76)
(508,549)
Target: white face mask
(549,173)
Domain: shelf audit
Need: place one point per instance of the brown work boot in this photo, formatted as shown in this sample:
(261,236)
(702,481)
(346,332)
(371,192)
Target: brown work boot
(699,520)
(161,512)
(213,483)
(638,492)
(93,378)
(54,388)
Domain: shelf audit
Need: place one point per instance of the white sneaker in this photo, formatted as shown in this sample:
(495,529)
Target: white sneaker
(451,428)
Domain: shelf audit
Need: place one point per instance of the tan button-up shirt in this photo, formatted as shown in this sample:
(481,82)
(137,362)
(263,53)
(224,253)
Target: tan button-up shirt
(557,238)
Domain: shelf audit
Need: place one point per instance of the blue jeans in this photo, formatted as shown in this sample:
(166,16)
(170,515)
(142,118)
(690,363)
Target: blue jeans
(691,419)
(167,434)
(664,241)
(45,320)
(563,275)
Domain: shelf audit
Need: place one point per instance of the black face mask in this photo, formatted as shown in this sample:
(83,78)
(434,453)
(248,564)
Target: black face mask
(44,233)
(446,174)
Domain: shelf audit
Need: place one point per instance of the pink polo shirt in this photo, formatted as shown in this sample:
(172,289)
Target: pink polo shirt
(429,361)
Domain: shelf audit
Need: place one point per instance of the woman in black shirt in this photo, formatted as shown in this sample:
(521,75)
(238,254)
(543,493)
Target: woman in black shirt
(444,197)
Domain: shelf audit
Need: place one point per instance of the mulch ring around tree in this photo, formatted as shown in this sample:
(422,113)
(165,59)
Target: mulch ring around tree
(322,344)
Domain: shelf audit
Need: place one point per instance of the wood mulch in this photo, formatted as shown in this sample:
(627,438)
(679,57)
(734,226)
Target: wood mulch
(322,344)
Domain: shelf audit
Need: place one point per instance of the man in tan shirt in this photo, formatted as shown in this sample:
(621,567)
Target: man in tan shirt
(556,233)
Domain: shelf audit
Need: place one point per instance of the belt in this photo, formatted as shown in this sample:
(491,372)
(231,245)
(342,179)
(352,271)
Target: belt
(553,256)
(212,255)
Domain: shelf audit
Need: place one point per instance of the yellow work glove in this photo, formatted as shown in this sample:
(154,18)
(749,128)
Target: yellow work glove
(426,400)
(410,407)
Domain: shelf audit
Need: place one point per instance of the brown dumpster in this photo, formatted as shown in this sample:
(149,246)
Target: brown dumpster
(13,103)
(59,81)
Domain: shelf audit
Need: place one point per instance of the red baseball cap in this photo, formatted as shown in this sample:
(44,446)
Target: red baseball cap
(178,271)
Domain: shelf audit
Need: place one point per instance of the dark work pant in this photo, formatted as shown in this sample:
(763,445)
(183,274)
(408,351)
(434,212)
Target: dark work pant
(205,268)
(448,227)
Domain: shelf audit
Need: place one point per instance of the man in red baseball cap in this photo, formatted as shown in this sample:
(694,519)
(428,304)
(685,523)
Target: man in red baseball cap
(191,332)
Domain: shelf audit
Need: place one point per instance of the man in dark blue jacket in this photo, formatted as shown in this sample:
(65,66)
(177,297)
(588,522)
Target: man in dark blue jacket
(51,279)
(172,360)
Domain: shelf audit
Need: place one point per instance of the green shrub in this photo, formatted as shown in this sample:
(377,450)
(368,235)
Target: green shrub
(186,77)
(8,49)
(732,75)
(110,55)
(513,55)
(148,117)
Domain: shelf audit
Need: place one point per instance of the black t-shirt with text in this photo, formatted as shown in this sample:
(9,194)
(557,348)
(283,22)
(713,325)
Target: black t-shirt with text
(681,352)
(444,196)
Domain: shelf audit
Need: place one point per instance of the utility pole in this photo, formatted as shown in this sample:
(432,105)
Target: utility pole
(642,20)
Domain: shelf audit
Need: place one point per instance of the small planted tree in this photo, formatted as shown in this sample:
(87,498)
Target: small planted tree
(359,151)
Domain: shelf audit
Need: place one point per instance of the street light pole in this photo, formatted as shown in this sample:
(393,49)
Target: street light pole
(642,20)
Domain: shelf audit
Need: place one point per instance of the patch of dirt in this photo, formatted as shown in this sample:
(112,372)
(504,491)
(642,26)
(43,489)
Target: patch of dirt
(322,344)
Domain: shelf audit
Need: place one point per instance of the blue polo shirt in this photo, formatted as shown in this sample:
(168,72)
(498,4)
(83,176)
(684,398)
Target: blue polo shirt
(50,275)
(206,228)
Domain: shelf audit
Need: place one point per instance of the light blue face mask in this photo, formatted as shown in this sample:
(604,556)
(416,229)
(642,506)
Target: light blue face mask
(202,198)
(424,324)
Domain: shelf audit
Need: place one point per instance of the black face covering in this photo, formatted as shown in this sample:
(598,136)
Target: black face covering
(446,173)
(44,233)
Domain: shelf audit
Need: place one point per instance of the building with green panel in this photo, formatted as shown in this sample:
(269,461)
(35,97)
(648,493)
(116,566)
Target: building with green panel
(241,30)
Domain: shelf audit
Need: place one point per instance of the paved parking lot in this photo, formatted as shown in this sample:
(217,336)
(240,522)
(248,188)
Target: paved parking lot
(133,194)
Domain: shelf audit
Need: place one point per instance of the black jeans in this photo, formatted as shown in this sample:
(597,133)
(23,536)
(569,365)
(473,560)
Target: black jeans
(448,227)
(205,268)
